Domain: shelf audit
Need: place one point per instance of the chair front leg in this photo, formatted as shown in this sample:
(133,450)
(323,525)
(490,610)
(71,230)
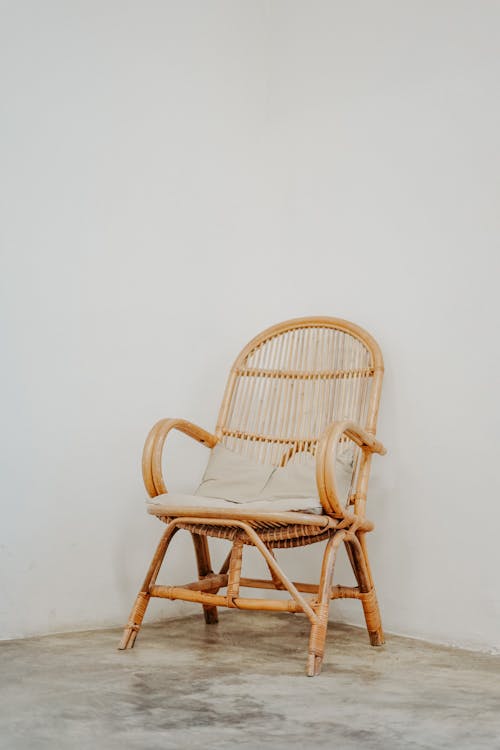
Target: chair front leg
(141,603)
(318,630)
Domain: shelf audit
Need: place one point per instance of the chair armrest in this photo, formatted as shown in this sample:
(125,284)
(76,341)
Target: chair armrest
(325,460)
(153,450)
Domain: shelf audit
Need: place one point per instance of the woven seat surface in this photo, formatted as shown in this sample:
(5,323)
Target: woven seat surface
(274,534)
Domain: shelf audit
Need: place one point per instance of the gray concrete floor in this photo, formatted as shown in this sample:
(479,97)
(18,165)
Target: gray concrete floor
(242,683)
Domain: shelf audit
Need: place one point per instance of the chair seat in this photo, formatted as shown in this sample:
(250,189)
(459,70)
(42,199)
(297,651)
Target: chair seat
(309,505)
(279,528)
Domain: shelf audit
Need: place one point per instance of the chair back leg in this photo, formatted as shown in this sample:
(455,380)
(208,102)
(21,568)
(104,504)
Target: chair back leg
(205,569)
(357,554)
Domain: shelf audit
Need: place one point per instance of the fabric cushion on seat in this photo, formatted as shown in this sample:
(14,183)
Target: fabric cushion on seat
(178,500)
(237,479)
(233,477)
(297,479)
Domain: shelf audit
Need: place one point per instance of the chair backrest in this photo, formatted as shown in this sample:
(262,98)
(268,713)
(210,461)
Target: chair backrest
(292,380)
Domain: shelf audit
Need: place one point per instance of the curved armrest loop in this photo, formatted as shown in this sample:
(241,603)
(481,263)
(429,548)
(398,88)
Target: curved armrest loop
(325,461)
(153,450)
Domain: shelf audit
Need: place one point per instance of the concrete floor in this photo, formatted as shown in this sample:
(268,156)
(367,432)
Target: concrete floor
(241,683)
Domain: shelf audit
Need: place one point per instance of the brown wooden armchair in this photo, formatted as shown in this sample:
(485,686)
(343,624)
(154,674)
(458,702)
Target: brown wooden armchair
(305,386)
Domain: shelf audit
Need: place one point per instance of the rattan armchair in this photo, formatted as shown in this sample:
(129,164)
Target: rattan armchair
(309,385)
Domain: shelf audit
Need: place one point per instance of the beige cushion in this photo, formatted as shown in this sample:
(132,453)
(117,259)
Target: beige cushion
(237,479)
(176,500)
(297,479)
(231,479)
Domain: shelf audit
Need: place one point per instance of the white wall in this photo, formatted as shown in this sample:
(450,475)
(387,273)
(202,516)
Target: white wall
(133,153)
(177,176)
(385,136)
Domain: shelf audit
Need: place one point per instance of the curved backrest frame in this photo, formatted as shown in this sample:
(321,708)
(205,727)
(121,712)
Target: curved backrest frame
(244,372)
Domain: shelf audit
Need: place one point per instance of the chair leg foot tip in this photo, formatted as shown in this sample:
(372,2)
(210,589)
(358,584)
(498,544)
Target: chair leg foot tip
(313,665)
(127,640)
(211,620)
(377,639)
